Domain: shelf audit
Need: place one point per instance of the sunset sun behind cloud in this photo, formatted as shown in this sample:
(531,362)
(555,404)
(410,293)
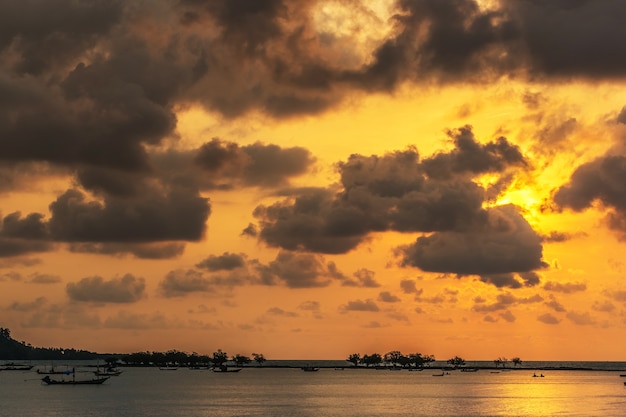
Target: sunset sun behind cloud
(310,179)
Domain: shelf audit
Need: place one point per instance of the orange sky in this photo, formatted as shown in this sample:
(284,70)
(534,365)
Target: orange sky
(313,179)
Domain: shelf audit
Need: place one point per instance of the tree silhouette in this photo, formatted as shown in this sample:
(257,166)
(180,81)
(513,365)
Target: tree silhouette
(516,361)
(219,358)
(354,358)
(373,359)
(259,358)
(456,361)
(241,360)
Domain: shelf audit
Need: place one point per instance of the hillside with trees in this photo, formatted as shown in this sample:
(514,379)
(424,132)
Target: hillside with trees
(11,349)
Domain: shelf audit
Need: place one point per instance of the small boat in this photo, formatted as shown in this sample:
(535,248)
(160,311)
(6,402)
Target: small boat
(53,371)
(225,369)
(108,372)
(469,369)
(168,368)
(96,381)
(310,368)
(441,374)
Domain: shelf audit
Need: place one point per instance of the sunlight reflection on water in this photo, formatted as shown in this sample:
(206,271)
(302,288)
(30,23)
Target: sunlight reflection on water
(290,392)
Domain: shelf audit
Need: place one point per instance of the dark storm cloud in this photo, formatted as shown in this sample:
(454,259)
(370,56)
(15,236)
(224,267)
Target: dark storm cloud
(296,270)
(138,250)
(469,156)
(572,38)
(401,193)
(599,181)
(127,289)
(23,235)
(502,244)
(183,282)
(392,192)
(178,215)
(51,32)
(253,165)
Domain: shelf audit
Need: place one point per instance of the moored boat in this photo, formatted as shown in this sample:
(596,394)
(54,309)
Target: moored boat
(49,381)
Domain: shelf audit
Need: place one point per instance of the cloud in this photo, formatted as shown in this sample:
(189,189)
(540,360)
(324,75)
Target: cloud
(387,297)
(309,306)
(23,235)
(581,319)
(501,244)
(183,282)
(62,316)
(127,289)
(44,279)
(605,306)
(408,286)
(364,279)
(11,276)
(566,287)
(227,261)
(359,305)
(397,192)
(137,321)
(156,250)
(225,165)
(508,316)
(276,311)
(548,319)
(598,181)
(503,301)
(555,305)
(34,305)
(296,270)
(159,217)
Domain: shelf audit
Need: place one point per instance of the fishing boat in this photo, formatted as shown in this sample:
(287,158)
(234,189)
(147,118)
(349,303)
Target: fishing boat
(108,372)
(53,371)
(223,369)
(310,368)
(49,381)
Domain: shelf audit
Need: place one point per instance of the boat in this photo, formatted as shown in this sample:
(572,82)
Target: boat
(108,372)
(441,374)
(49,381)
(469,369)
(309,368)
(53,371)
(225,369)
(168,368)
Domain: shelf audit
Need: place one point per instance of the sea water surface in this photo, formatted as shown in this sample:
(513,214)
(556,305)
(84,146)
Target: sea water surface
(140,392)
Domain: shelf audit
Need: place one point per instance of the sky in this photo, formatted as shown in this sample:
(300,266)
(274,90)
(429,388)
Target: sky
(309,179)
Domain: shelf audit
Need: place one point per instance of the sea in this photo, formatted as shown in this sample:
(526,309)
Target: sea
(281,388)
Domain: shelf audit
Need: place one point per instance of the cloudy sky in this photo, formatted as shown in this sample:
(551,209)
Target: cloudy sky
(314,178)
